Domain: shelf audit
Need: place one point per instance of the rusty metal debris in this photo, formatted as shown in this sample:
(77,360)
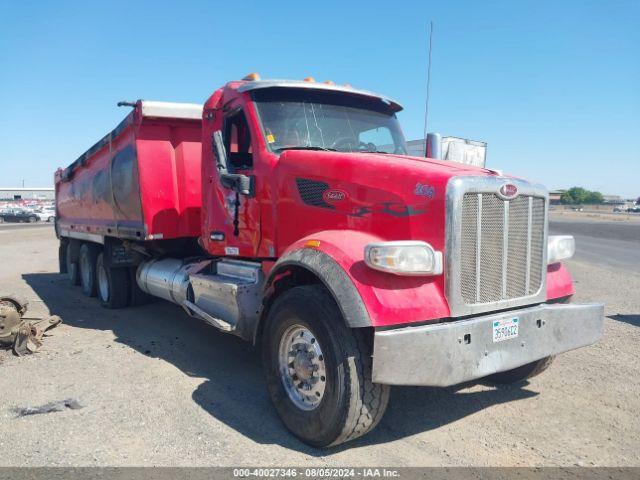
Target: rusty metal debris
(20,333)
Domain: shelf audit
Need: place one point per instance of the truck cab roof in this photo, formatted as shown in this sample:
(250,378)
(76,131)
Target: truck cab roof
(247,86)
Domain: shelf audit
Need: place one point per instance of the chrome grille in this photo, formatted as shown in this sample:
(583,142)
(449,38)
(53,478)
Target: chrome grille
(501,247)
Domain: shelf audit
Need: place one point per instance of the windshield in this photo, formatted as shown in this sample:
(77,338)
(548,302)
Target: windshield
(320,120)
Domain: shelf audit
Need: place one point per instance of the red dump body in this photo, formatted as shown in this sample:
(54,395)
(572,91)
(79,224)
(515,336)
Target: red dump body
(141,181)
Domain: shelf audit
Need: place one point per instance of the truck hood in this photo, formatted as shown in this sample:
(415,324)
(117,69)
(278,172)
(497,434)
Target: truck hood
(390,161)
(391,197)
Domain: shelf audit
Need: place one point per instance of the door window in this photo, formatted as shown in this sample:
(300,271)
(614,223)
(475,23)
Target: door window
(237,141)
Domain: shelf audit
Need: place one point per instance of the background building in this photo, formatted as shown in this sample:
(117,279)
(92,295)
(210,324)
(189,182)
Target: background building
(25,193)
(555,196)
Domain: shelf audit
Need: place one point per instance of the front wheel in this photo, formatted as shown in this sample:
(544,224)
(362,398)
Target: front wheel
(33,219)
(318,370)
(522,373)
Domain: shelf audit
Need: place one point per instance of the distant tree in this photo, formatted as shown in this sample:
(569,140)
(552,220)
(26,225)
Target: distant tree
(574,195)
(579,195)
(594,197)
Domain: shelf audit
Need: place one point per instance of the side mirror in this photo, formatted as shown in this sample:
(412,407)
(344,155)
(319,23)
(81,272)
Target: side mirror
(242,184)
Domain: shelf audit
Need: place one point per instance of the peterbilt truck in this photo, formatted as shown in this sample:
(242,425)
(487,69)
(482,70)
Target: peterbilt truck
(288,213)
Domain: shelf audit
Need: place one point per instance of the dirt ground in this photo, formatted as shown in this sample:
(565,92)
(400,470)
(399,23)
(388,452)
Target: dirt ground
(160,389)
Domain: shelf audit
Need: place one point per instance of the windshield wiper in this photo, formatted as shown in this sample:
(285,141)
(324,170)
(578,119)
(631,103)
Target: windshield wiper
(372,151)
(308,147)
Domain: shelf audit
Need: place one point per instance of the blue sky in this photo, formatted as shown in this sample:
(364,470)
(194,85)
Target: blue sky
(552,86)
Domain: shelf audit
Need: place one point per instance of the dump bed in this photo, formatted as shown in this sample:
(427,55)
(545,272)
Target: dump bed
(141,181)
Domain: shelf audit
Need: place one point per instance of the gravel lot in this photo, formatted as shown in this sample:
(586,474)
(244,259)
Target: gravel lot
(161,389)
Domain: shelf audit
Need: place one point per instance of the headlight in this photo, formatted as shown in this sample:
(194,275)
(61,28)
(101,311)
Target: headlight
(560,247)
(404,258)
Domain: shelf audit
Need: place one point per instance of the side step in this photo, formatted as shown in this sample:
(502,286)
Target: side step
(229,299)
(224,293)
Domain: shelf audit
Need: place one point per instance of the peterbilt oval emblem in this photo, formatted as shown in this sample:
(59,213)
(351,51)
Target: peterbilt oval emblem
(334,195)
(508,191)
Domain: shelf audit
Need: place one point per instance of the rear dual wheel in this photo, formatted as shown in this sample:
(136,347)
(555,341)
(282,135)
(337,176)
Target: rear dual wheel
(112,284)
(71,268)
(87,261)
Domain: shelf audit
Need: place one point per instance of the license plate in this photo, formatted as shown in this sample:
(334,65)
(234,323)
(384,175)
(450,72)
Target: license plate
(505,329)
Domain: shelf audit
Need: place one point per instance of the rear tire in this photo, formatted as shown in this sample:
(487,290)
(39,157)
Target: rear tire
(33,219)
(62,257)
(73,270)
(87,262)
(137,297)
(303,322)
(522,373)
(112,284)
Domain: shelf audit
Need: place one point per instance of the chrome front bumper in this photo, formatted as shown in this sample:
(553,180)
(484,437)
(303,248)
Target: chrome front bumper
(455,352)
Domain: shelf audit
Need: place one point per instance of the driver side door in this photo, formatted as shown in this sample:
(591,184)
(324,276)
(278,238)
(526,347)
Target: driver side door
(233,223)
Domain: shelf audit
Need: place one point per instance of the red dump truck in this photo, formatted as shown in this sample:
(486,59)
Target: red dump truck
(289,213)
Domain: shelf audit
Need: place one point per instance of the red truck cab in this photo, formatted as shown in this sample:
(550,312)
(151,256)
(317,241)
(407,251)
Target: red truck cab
(289,213)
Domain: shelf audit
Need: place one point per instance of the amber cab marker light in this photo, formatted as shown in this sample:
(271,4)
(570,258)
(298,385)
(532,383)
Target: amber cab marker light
(252,77)
(329,82)
(308,79)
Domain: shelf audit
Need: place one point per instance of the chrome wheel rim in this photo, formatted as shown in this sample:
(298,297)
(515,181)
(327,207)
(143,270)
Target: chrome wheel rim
(103,283)
(302,367)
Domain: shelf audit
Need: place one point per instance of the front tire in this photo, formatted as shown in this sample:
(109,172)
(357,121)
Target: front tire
(521,373)
(112,284)
(33,219)
(318,370)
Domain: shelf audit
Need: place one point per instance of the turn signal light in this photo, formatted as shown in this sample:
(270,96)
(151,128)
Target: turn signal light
(252,77)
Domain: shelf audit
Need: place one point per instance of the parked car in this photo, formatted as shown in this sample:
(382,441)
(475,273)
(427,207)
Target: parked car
(47,214)
(18,215)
